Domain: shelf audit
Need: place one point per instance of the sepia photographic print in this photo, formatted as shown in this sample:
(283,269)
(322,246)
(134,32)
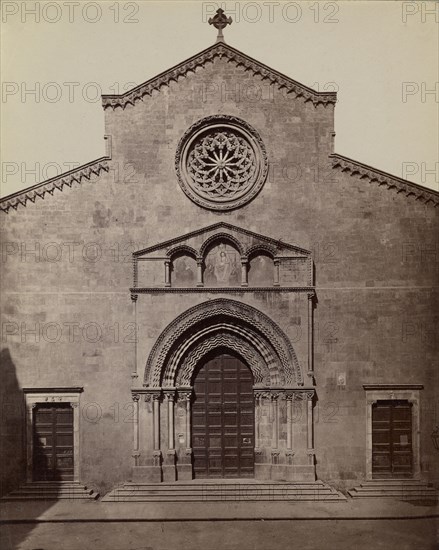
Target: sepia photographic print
(219,275)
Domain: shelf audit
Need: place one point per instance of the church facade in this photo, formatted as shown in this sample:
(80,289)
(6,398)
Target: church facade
(220,296)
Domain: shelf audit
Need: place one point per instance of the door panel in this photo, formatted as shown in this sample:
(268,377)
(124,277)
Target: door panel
(53,442)
(392,439)
(223,419)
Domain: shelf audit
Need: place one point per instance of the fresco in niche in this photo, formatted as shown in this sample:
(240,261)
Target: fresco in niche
(261,271)
(184,271)
(222,266)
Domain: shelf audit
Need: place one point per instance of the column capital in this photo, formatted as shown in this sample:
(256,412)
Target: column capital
(184,394)
(169,394)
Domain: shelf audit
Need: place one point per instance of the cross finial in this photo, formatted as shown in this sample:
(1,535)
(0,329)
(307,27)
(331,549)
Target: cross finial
(219,21)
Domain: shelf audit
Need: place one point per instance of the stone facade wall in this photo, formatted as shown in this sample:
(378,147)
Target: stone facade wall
(372,249)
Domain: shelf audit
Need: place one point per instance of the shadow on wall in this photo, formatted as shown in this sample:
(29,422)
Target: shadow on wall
(13,457)
(12,426)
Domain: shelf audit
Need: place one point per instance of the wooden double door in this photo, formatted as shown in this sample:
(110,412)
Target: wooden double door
(53,442)
(392,454)
(223,419)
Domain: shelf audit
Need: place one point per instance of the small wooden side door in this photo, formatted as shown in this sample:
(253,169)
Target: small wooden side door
(53,442)
(392,455)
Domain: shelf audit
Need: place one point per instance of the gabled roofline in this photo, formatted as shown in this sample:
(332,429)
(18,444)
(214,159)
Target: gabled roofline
(221,225)
(365,171)
(219,49)
(57,182)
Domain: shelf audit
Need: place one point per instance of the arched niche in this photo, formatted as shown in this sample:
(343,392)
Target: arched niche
(222,263)
(260,270)
(183,270)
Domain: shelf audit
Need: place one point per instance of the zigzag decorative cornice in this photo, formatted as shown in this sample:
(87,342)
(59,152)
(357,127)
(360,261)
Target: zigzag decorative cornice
(219,49)
(423,194)
(58,182)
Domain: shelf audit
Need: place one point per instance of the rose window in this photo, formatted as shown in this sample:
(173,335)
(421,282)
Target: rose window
(221,165)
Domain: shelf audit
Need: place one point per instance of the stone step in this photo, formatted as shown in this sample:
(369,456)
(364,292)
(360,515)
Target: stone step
(13,497)
(219,492)
(416,489)
(52,491)
(392,482)
(404,490)
(211,498)
(219,483)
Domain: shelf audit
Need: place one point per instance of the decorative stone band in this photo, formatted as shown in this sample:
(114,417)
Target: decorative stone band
(185,393)
(219,290)
(78,175)
(208,55)
(374,175)
(290,394)
(162,394)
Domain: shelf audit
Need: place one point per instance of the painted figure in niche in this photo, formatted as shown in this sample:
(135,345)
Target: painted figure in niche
(183,271)
(221,266)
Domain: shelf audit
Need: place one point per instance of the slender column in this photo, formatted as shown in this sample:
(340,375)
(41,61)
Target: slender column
(169,396)
(310,336)
(258,414)
(200,272)
(156,420)
(188,422)
(167,272)
(185,396)
(289,399)
(275,416)
(244,272)
(276,272)
(309,422)
(136,453)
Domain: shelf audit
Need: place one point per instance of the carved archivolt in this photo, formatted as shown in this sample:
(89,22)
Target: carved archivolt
(244,333)
(254,360)
(253,323)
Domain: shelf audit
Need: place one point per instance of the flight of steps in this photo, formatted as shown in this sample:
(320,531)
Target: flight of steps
(194,491)
(52,490)
(408,490)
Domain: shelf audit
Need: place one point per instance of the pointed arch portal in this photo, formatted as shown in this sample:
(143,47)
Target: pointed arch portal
(224,397)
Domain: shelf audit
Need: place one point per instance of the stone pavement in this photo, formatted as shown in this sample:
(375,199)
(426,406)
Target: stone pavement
(95,525)
(98,511)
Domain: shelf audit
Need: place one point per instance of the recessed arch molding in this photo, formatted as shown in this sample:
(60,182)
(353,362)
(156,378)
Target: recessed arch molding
(223,323)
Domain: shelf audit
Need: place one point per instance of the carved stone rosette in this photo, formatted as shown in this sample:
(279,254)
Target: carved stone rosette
(221,162)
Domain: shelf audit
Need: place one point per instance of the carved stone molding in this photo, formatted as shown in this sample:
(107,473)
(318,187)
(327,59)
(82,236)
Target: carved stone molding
(216,290)
(235,342)
(373,175)
(77,175)
(200,316)
(228,230)
(218,50)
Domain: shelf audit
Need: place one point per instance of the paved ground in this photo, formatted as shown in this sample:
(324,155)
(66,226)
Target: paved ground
(419,534)
(351,525)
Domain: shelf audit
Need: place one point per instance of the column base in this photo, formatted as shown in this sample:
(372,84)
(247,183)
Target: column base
(284,472)
(184,472)
(147,474)
(168,467)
